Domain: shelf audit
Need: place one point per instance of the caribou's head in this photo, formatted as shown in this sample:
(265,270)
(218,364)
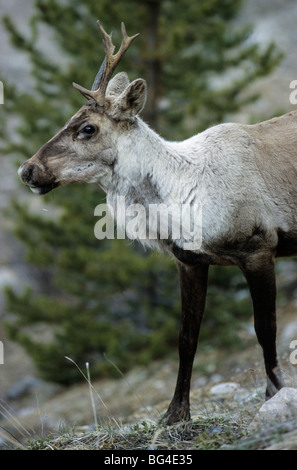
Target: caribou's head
(86,148)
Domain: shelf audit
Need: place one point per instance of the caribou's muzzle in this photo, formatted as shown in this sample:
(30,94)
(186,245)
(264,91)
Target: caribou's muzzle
(32,176)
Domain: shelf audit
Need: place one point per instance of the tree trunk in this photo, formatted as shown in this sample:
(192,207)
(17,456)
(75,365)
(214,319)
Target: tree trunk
(152,62)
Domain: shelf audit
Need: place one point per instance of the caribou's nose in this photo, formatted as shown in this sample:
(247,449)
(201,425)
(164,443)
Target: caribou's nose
(26,173)
(20,170)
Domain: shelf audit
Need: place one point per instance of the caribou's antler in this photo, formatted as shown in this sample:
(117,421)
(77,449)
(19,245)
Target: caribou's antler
(108,65)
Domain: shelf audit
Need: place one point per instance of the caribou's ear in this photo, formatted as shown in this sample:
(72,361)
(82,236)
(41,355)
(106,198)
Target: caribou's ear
(117,84)
(130,102)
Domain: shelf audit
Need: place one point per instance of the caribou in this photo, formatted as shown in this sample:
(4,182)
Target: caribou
(243,177)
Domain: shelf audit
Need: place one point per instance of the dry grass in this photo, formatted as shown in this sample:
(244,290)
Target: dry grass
(218,423)
(125,413)
(199,434)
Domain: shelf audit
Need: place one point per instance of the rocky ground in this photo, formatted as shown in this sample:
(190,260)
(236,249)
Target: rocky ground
(228,405)
(128,409)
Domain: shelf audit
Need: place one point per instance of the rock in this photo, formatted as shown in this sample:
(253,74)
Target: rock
(226,388)
(28,385)
(288,334)
(22,387)
(288,441)
(280,408)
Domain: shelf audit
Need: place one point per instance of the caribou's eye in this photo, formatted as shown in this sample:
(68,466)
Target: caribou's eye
(86,131)
(89,129)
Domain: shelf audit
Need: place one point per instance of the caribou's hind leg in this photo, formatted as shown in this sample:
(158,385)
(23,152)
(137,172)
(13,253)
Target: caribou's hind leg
(260,275)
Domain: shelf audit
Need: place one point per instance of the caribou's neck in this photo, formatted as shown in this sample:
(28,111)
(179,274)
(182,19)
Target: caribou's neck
(150,175)
(149,169)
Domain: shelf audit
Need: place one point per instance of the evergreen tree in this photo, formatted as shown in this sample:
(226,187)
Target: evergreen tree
(112,299)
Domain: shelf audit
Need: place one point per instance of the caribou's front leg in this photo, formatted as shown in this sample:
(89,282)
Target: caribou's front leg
(193,282)
(261,280)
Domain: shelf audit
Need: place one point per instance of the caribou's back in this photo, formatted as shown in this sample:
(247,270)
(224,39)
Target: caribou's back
(246,181)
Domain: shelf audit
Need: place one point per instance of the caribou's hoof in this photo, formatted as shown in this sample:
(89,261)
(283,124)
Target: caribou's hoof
(275,383)
(176,414)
